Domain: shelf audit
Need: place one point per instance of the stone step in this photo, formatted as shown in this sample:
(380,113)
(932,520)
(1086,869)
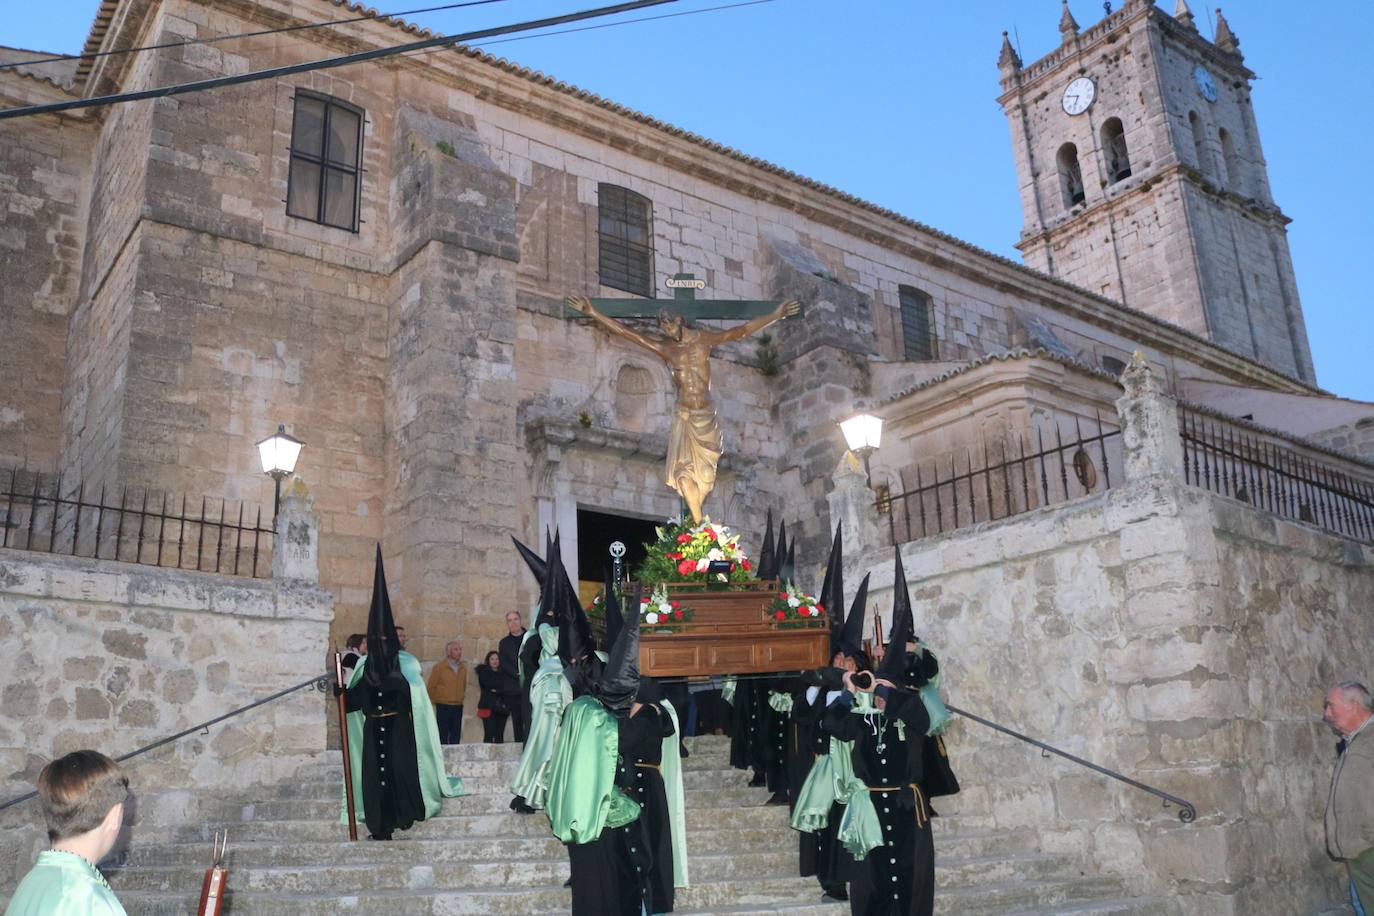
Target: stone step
(1126,906)
(951,845)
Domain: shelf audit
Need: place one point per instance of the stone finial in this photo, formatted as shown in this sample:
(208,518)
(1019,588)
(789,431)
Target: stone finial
(1008,61)
(1184,15)
(1149,424)
(1068,26)
(296,548)
(853,505)
(1226,40)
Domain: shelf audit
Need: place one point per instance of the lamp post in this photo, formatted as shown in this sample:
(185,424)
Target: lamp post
(279,452)
(863,433)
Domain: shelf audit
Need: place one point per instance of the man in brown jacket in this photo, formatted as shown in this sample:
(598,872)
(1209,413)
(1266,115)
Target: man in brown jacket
(448,685)
(1349,709)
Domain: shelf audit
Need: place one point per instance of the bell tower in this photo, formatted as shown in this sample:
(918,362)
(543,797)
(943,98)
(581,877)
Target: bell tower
(1142,178)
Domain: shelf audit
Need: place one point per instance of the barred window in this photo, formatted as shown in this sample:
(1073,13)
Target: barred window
(1070,175)
(325,182)
(1114,149)
(625,239)
(918,336)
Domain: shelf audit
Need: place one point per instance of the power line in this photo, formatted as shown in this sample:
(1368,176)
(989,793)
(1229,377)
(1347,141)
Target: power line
(609,25)
(208,41)
(326,63)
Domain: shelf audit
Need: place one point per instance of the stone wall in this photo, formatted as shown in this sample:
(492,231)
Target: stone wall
(114,656)
(1176,636)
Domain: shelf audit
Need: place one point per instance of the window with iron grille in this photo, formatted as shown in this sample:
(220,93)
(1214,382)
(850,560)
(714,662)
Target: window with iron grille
(918,336)
(325,181)
(625,240)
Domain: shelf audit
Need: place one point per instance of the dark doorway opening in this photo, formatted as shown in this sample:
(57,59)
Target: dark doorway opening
(596,531)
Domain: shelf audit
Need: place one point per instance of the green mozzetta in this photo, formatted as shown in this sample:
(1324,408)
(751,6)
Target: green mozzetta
(63,884)
(435,784)
(582,796)
(550,693)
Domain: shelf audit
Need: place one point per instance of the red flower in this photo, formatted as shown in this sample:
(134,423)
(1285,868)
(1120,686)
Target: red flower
(674,604)
(747,565)
(677,614)
(819,608)
(782,596)
(683,538)
(780,615)
(673,556)
(686,567)
(710,535)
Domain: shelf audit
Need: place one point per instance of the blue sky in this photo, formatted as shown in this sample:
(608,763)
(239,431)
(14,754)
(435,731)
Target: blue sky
(893,101)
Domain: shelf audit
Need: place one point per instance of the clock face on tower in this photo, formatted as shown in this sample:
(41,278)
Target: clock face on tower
(1206,86)
(1078,95)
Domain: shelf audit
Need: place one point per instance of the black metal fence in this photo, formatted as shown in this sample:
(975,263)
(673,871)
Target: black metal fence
(1024,471)
(1270,473)
(152,528)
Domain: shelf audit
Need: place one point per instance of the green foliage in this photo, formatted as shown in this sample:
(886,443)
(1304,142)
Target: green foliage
(767,354)
(447,149)
(679,542)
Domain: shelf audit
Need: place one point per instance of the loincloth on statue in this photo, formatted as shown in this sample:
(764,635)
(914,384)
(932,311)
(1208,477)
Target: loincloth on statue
(694,448)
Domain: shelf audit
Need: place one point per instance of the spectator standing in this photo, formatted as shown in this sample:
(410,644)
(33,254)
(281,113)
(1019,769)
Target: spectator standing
(1348,710)
(448,685)
(83,796)
(491,705)
(514,695)
(354,649)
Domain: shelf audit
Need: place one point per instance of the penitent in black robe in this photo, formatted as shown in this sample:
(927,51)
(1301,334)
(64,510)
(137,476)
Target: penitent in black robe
(645,759)
(897,878)
(391,780)
(611,874)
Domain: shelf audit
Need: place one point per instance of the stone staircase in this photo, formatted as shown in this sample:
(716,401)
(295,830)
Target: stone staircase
(289,856)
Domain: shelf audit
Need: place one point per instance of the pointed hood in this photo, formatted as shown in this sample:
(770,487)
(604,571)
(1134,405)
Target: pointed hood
(780,552)
(894,660)
(614,618)
(382,644)
(848,637)
(766,568)
(619,681)
(831,595)
(574,632)
(788,570)
(537,566)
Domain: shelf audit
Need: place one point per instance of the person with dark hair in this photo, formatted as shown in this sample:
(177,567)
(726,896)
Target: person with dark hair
(82,795)
(354,650)
(491,704)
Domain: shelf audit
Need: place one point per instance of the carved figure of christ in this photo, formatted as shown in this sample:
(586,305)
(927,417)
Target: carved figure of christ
(694,443)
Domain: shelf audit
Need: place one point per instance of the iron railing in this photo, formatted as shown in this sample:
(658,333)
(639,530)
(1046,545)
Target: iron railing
(950,493)
(153,529)
(1277,475)
(320,682)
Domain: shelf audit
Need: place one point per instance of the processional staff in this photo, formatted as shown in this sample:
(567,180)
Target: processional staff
(343,743)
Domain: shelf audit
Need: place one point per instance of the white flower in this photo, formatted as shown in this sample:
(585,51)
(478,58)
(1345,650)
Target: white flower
(792,601)
(815,611)
(651,618)
(702,564)
(715,553)
(664,607)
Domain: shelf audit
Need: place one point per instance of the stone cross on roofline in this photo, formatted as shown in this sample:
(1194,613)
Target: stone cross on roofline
(684,303)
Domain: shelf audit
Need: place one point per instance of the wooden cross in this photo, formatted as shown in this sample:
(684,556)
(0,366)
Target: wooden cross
(684,303)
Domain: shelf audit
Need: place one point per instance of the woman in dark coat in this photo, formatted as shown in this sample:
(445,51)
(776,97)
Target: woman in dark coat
(491,706)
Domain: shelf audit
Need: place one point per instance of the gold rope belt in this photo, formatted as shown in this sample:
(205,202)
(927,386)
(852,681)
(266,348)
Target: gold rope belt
(651,766)
(921,818)
(381,715)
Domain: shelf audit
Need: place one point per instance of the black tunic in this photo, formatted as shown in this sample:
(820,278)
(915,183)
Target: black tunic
(649,790)
(610,875)
(390,769)
(897,878)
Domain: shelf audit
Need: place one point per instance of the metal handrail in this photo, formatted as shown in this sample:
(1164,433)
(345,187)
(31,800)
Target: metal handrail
(320,682)
(1186,812)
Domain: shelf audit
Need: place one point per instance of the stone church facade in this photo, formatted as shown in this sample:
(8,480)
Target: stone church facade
(377,257)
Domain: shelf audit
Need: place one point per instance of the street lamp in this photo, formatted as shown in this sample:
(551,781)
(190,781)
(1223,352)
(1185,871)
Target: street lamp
(863,433)
(279,452)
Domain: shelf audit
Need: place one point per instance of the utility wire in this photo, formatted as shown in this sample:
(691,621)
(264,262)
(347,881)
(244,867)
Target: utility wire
(208,41)
(326,63)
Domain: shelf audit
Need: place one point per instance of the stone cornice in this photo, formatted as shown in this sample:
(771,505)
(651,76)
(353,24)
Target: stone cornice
(1142,184)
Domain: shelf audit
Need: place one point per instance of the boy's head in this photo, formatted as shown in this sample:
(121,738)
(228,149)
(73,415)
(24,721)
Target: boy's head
(80,793)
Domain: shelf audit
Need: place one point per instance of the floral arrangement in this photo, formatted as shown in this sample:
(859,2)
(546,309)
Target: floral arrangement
(684,552)
(792,607)
(658,609)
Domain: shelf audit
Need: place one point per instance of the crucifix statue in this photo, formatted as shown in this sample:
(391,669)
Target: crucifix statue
(694,444)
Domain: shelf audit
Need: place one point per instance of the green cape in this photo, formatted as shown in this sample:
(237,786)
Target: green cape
(671,769)
(550,693)
(63,884)
(583,798)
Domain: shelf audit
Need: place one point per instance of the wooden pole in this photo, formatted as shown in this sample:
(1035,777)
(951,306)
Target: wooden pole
(343,744)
